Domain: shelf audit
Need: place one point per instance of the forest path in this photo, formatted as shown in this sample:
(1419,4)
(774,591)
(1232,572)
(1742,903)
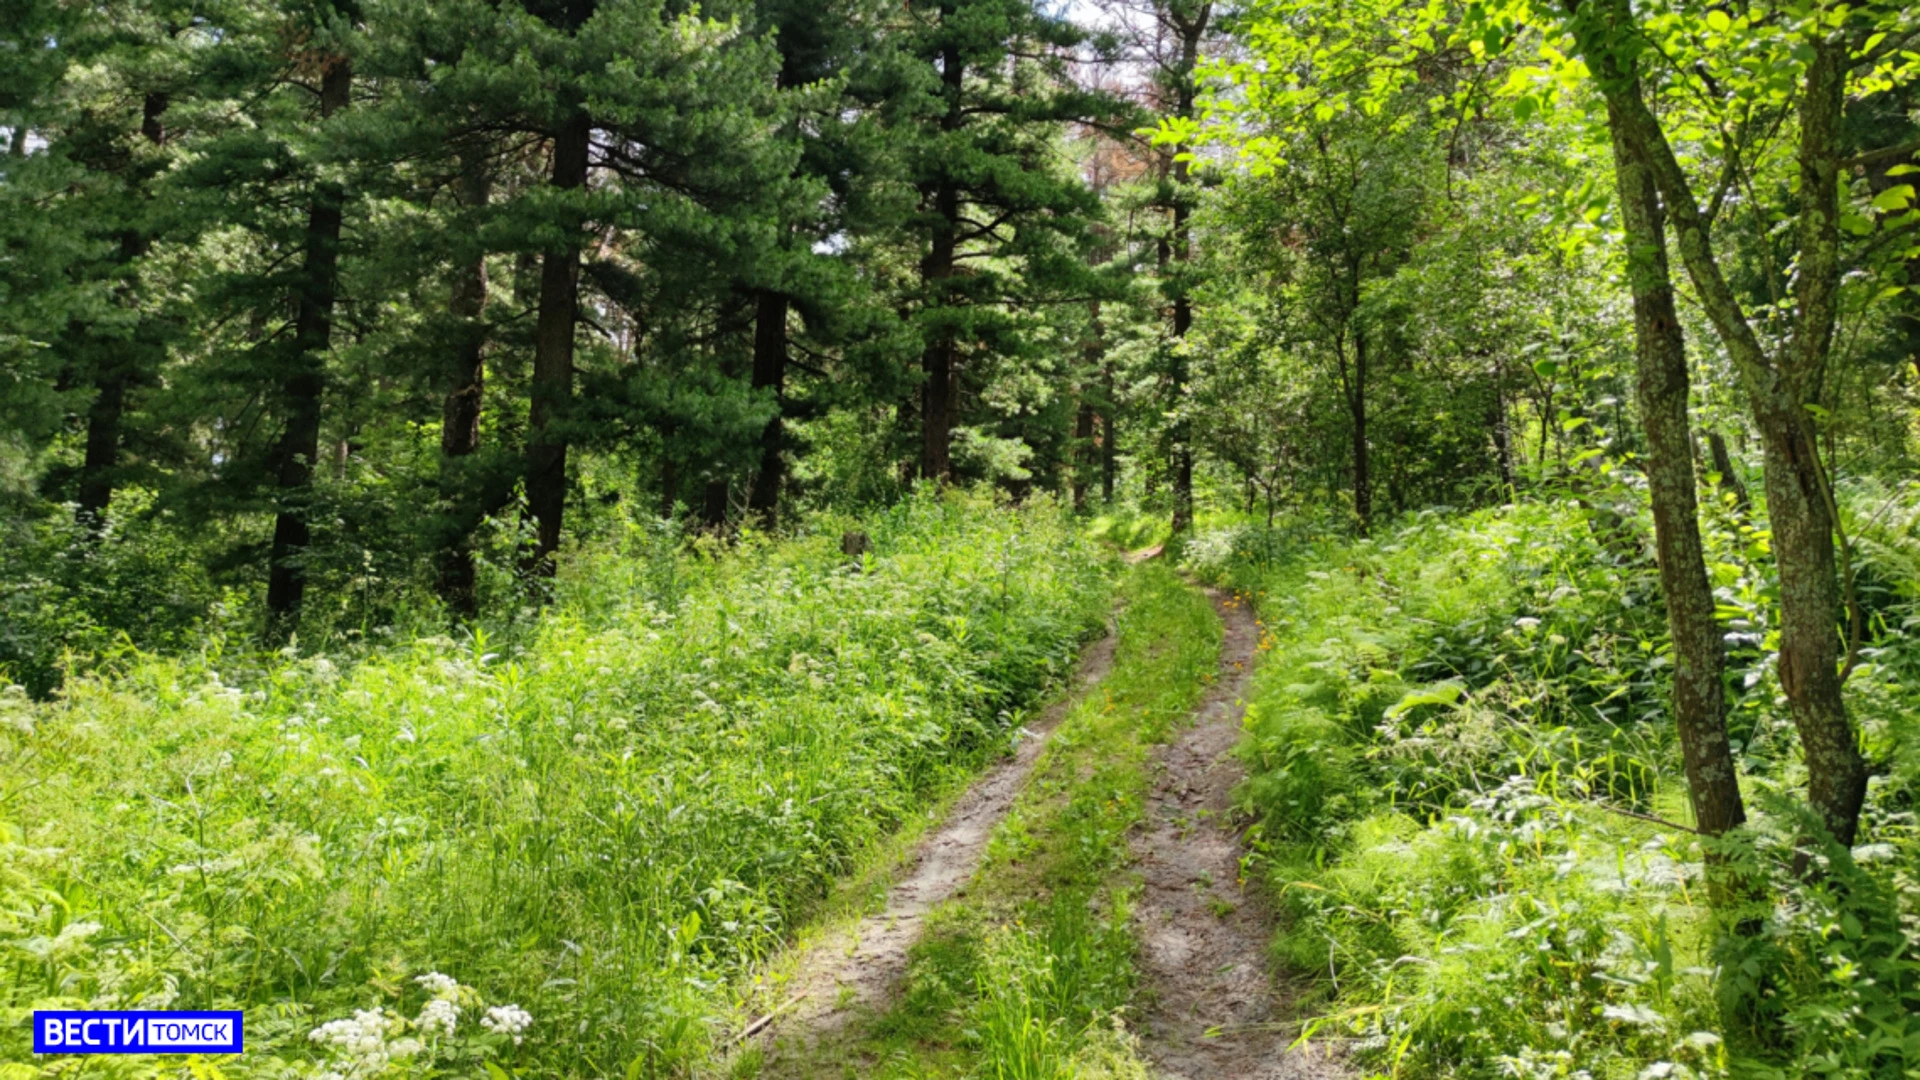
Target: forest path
(1212,1011)
(856,971)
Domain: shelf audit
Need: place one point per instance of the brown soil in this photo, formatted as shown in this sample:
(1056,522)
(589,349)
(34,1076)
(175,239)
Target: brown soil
(856,972)
(1213,1012)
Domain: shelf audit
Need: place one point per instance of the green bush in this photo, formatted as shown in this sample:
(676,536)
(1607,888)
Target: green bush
(70,595)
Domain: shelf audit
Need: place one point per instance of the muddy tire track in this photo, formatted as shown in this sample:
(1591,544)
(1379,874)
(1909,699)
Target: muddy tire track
(1212,1010)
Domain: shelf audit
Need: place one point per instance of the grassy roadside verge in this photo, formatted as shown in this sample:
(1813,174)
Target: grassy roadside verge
(1450,731)
(1027,976)
(579,839)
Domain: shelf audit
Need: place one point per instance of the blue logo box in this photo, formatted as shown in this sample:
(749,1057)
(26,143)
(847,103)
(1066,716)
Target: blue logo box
(109,1031)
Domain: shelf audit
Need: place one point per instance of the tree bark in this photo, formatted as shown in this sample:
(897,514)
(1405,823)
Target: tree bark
(1109,435)
(115,373)
(1190,27)
(1362,456)
(1713,781)
(770,373)
(460,415)
(304,381)
(1083,451)
(713,504)
(552,389)
(937,361)
(103,444)
(1729,479)
(1779,388)
(1182,431)
(1503,434)
(1183,424)
(1086,454)
(669,488)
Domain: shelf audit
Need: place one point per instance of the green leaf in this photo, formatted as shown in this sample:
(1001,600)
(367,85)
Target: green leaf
(1903,169)
(1573,423)
(1894,198)
(1856,224)
(1525,108)
(1440,693)
(1718,21)
(1546,369)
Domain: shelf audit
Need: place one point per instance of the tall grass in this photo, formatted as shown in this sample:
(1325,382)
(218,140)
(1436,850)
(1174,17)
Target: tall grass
(1456,737)
(600,825)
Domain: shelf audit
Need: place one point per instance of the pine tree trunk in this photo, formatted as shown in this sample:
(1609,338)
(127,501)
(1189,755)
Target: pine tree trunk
(713,504)
(1190,25)
(1085,453)
(1083,450)
(460,416)
(1109,436)
(669,487)
(1183,424)
(103,442)
(770,373)
(1182,433)
(937,361)
(1362,458)
(1713,781)
(552,389)
(304,382)
(936,410)
(115,373)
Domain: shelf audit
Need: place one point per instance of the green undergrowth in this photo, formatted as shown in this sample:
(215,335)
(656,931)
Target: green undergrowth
(1128,528)
(1450,731)
(602,824)
(1029,975)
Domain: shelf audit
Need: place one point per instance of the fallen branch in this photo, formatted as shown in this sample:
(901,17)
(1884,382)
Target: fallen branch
(760,1025)
(1637,816)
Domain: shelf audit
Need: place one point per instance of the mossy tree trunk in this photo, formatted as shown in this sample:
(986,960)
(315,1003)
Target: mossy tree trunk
(1699,692)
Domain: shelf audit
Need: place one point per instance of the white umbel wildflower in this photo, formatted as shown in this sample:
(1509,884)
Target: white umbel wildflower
(445,987)
(362,1041)
(508,1020)
(438,1018)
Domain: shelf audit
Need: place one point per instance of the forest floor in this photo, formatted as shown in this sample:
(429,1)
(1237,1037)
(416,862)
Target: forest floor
(1199,988)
